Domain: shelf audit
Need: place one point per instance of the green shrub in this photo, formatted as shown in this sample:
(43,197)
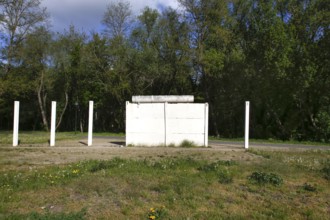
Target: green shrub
(263,178)
(309,187)
(225,177)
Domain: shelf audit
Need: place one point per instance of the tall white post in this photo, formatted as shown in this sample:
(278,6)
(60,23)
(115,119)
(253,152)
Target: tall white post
(206,125)
(90,123)
(53,125)
(247,122)
(165,124)
(16,123)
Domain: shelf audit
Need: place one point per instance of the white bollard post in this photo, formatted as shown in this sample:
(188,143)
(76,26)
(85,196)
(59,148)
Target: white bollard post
(16,123)
(90,123)
(206,125)
(247,121)
(53,125)
(165,124)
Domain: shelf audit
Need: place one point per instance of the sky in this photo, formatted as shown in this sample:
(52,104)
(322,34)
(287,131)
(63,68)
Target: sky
(86,15)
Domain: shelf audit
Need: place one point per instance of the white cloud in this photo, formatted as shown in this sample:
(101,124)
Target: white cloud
(86,15)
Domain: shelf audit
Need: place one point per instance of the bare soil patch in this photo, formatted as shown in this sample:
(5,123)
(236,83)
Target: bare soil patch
(28,156)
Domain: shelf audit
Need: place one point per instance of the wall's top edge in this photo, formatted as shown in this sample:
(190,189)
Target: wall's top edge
(163,98)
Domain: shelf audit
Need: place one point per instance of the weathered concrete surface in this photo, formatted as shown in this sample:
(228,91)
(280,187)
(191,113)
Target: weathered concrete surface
(163,98)
(164,124)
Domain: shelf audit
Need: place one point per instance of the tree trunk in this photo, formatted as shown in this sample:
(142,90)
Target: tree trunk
(41,102)
(81,126)
(63,110)
(212,113)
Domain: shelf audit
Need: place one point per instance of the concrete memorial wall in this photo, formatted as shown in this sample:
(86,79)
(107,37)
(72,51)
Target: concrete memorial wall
(166,120)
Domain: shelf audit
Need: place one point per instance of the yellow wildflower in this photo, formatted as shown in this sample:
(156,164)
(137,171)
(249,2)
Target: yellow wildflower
(152,217)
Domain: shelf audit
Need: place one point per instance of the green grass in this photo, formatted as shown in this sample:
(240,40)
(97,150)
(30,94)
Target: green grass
(270,141)
(48,216)
(40,137)
(104,134)
(182,187)
(37,137)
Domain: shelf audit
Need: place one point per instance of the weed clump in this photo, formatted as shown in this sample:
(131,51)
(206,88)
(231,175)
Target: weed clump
(187,144)
(263,154)
(309,187)
(221,169)
(225,177)
(263,178)
(97,165)
(157,213)
(326,169)
(215,166)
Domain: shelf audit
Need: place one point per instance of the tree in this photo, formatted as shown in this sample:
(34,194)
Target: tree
(67,71)
(160,63)
(310,74)
(209,36)
(107,86)
(19,18)
(117,19)
(144,66)
(35,54)
(173,54)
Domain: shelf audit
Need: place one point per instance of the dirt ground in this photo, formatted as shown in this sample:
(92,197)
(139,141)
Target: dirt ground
(39,155)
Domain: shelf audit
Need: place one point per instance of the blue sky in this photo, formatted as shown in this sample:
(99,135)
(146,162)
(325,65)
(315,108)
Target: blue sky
(86,15)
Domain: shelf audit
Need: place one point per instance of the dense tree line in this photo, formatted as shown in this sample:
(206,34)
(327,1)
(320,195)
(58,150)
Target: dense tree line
(272,53)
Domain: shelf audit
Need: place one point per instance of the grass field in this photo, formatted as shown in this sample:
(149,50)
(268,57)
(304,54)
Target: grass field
(40,137)
(163,183)
(271,141)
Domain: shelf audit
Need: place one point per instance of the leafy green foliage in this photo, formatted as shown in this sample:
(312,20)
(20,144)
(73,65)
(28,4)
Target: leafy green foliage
(273,53)
(263,178)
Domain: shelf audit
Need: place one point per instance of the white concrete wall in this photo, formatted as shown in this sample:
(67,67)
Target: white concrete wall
(145,124)
(163,99)
(153,124)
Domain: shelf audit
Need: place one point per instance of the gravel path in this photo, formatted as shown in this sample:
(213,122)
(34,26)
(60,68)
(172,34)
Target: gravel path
(224,144)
